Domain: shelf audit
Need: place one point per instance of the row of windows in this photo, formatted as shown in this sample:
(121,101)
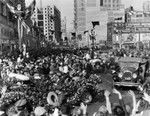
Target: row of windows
(49,33)
(49,8)
(49,26)
(109,5)
(102,2)
(49,12)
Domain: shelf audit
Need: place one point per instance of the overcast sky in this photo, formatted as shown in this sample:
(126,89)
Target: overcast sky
(66,7)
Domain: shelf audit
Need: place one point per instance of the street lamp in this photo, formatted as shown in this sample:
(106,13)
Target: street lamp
(92,37)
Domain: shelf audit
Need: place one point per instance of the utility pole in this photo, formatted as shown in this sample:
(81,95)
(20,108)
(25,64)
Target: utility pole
(92,37)
(139,40)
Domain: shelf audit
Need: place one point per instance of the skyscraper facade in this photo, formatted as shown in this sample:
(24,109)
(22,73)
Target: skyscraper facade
(8,29)
(57,24)
(48,16)
(146,6)
(79,19)
(64,28)
(110,4)
(49,20)
(37,18)
(79,16)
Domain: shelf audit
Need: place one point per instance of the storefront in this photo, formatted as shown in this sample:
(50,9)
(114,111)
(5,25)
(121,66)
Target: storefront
(7,39)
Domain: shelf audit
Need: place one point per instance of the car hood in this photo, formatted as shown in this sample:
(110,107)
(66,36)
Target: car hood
(128,69)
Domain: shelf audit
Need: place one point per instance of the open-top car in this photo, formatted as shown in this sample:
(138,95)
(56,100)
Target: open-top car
(132,72)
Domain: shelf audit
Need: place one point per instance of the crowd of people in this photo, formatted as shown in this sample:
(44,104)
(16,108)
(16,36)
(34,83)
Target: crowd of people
(65,84)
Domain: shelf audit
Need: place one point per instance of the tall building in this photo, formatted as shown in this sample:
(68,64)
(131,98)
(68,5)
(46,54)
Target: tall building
(110,4)
(79,18)
(64,28)
(146,6)
(48,19)
(88,11)
(16,2)
(8,29)
(57,24)
(37,18)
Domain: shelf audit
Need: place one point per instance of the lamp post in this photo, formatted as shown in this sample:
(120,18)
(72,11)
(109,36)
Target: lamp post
(92,37)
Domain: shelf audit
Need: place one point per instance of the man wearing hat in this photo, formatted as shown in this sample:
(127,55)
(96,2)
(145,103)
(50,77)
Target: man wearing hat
(21,107)
(40,111)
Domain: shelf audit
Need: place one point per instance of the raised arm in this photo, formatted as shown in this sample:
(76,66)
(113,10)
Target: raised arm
(108,104)
(134,110)
(121,101)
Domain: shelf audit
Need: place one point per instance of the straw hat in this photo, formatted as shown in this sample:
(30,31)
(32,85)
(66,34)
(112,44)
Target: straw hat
(52,99)
(39,111)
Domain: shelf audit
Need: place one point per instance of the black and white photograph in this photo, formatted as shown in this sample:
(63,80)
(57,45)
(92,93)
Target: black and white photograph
(74,57)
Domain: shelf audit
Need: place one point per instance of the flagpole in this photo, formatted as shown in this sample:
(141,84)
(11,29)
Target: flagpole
(92,38)
(19,34)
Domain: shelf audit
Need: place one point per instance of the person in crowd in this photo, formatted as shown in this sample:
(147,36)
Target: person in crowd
(55,69)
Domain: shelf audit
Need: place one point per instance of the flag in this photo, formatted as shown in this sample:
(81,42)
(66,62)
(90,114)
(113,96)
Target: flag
(66,39)
(52,31)
(86,32)
(80,37)
(73,38)
(11,8)
(13,11)
(94,23)
(73,34)
(131,8)
(30,9)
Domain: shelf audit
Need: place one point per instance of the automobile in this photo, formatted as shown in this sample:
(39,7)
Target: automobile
(132,72)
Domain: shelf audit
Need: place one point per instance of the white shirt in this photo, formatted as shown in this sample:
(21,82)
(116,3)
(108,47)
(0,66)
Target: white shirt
(19,60)
(65,69)
(87,56)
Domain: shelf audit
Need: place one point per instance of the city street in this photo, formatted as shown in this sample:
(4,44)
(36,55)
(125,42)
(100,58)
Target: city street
(74,57)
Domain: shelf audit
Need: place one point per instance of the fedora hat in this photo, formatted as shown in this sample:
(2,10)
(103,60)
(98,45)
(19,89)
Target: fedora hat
(39,111)
(52,99)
